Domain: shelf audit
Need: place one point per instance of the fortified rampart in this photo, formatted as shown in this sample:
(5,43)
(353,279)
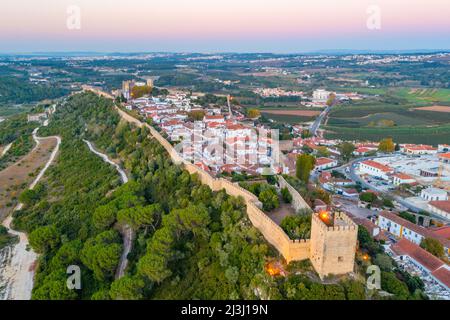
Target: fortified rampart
(298,203)
(341,237)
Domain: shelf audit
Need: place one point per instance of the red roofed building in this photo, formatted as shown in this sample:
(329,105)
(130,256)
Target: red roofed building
(442,232)
(441,208)
(444,157)
(325,163)
(402,178)
(376,169)
(215,118)
(442,275)
(417,149)
(404,250)
(402,228)
(361,151)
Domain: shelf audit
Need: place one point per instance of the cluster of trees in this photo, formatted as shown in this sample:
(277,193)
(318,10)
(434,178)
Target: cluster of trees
(16,130)
(196,115)
(308,192)
(304,165)
(18,90)
(299,287)
(346,149)
(297,226)
(434,247)
(253,113)
(209,98)
(386,145)
(140,91)
(266,193)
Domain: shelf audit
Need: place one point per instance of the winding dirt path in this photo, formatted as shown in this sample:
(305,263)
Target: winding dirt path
(127,231)
(4,151)
(17,269)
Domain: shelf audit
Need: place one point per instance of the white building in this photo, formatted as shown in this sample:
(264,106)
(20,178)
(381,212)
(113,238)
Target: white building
(416,149)
(441,208)
(434,194)
(321,96)
(402,228)
(402,178)
(325,163)
(375,169)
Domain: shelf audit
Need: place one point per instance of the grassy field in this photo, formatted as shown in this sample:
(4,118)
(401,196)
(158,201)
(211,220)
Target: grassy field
(421,96)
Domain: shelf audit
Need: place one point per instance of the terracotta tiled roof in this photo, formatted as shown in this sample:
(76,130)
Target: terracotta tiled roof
(445,155)
(322,161)
(426,259)
(442,205)
(443,275)
(419,147)
(363,150)
(442,232)
(403,176)
(377,165)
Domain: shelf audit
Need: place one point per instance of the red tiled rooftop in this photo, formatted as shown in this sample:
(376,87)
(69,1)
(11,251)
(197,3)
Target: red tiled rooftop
(403,176)
(377,165)
(322,161)
(445,155)
(443,205)
(417,147)
(442,232)
(426,259)
(443,275)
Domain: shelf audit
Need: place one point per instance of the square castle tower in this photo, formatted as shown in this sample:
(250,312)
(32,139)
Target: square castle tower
(333,243)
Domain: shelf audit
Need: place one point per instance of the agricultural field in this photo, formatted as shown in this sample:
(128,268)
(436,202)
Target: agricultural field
(408,115)
(435,108)
(290,116)
(424,96)
(408,134)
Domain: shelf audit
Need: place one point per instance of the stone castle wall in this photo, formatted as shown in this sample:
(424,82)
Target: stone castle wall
(330,249)
(298,203)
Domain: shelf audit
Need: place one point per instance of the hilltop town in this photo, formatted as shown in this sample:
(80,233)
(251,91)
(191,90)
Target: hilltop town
(268,172)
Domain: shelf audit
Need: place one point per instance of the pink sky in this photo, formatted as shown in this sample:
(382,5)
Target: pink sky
(421,22)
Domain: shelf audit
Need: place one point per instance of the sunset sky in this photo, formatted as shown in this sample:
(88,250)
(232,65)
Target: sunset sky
(218,25)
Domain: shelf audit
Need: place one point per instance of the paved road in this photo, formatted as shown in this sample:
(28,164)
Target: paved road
(316,124)
(355,177)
